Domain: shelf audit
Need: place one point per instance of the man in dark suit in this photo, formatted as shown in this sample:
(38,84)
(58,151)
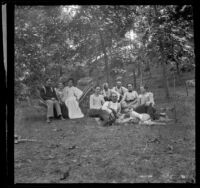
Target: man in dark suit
(48,94)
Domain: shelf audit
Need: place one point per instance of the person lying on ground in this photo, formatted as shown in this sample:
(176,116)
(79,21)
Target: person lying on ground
(48,94)
(106,92)
(60,95)
(120,90)
(71,97)
(140,118)
(130,98)
(147,104)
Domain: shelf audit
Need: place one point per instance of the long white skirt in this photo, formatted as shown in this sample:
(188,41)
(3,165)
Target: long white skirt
(74,110)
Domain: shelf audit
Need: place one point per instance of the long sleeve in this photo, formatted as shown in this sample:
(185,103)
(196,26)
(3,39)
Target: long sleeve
(124,97)
(77,92)
(102,100)
(124,90)
(137,97)
(91,102)
(55,94)
(64,94)
(42,94)
(136,94)
(140,102)
(105,107)
(151,99)
(119,109)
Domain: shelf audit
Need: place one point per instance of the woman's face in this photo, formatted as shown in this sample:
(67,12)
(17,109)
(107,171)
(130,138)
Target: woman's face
(97,90)
(49,82)
(70,83)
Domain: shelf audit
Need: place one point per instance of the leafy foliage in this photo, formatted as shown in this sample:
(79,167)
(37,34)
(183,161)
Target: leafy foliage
(78,41)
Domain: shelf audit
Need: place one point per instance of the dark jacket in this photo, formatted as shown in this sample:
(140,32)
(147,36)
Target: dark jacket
(47,93)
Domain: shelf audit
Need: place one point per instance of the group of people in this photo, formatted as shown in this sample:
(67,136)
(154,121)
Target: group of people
(106,104)
(63,99)
(120,102)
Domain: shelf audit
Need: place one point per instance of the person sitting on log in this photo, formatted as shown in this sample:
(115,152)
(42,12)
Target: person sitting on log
(106,92)
(130,98)
(60,95)
(120,90)
(71,97)
(48,94)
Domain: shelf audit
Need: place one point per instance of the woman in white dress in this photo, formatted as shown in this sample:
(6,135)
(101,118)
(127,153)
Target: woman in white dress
(71,96)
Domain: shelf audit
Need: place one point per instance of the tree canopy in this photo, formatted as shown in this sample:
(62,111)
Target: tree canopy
(99,40)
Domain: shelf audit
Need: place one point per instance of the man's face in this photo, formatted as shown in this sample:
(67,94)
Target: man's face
(106,86)
(49,82)
(130,87)
(97,90)
(114,98)
(119,84)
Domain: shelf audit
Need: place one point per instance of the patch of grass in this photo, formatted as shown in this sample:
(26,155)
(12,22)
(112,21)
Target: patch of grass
(106,154)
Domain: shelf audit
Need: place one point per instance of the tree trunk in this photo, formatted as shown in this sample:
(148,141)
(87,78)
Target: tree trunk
(164,70)
(141,75)
(177,67)
(61,73)
(165,82)
(105,58)
(134,79)
(139,68)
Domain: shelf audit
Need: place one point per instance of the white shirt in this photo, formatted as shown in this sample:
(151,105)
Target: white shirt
(59,93)
(146,99)
(130,96)
(122,90)
(96,101)
(108,105)
(72,93)
(106,93)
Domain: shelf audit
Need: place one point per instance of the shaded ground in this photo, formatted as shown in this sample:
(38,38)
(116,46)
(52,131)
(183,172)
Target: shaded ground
(76,151)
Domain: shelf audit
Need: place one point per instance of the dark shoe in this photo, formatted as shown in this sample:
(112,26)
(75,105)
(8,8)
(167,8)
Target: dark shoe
(61,118)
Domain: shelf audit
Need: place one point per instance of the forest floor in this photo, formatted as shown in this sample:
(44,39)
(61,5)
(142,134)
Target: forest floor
(81,151)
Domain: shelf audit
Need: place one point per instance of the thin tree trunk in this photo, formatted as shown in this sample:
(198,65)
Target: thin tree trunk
(141,75)
(164,70)
(134,79)
(139,68)
(61,73)
(177,67)
(105,58)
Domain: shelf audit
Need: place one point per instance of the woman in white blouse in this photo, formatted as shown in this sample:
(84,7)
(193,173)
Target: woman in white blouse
(71,97)
(130,98)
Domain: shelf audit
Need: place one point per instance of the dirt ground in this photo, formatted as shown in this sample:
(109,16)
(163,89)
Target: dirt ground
(81,151)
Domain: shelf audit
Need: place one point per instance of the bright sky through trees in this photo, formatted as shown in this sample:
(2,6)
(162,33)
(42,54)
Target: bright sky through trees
(70,10)
(131,35)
